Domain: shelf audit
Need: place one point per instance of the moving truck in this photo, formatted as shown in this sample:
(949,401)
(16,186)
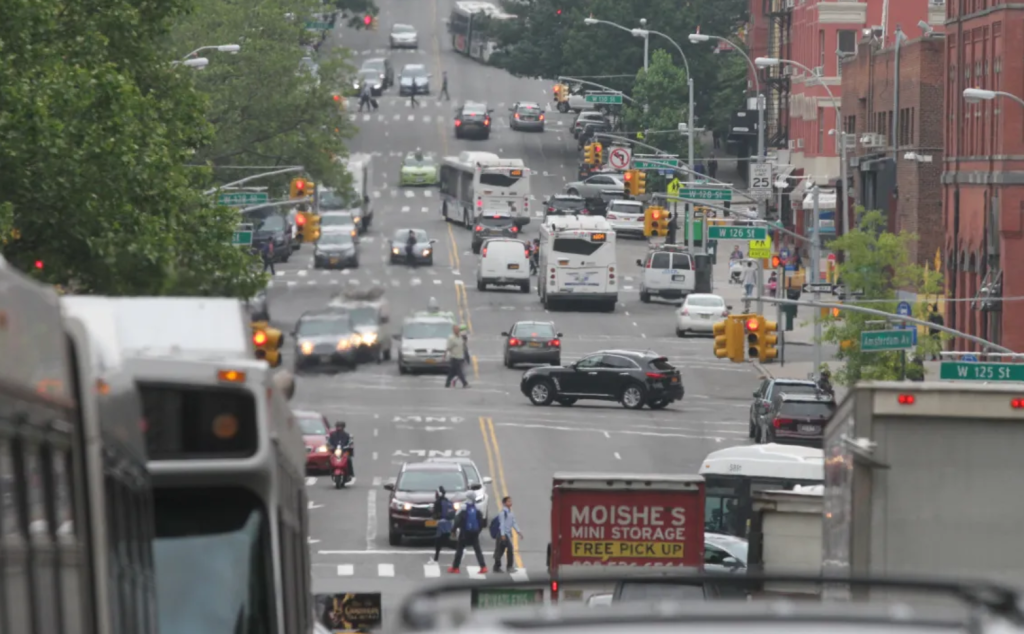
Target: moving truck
(635,525)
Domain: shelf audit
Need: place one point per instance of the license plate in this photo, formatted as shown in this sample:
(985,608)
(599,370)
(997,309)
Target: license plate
(334,260)
(809,429)
(430,523)
(430,361)
(325,358)
(675,379)
(678,278)
(706,316)
(513,266)
(534,344)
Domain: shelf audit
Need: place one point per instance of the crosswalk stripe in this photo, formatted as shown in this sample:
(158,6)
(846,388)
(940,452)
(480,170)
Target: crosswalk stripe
(346,570)
(431,570)
(386,570)
(519,575)
(474,572)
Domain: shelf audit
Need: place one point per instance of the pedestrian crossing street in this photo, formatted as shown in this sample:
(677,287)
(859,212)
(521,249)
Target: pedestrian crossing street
(407,569)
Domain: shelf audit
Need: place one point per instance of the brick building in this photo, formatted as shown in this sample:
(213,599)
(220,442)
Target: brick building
(983,182)
(903,177)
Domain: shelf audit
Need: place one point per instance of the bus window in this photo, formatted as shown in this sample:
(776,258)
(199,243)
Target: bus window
(576,246)
(498,179)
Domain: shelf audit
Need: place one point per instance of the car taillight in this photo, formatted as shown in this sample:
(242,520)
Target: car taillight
(478,228)
(457,123)
(514,342)
(725,313)
(612,217)
(551,210)
(487,122)
(484,252)
(555,343)
(585,212)
(656,375)
(648,265)
(527,252)
(685,311)
(542,117)
(781,421)
(479,202)
(1017,403)
(906,399)
(515,229)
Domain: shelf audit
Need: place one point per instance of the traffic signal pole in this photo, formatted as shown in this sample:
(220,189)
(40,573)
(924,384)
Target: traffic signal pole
(287,170)
(816,273)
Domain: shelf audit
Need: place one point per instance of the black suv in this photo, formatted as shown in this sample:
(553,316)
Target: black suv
(564,205)
(276,230)
(411,503)
(473,119)
(493,226)
(769,389)
(633,378)
(796,419)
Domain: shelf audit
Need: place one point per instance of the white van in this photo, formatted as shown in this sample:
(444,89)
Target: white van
(503,262)
(668,272)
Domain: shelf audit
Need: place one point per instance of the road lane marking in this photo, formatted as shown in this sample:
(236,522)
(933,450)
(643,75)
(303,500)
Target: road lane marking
(498,477)
(617,456)
(624,432)
(431,570)
(375,552)
(371,519)
(346,570)
(454,247)
(474,572)
(385,570)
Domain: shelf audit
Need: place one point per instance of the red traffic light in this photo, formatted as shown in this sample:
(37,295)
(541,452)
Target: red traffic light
(559,12)
(300,220)
(337,97)
(628,176)
(752,325)
(300,185)
(776,261)
(39,264)
(259,338)
(367,19)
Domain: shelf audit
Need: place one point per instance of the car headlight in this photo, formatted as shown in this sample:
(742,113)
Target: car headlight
(396,250)
(376,86)
(369,338)
(321,449)
(401,506)
(306,347)
(457,505)
(344,344)
(357,219)
(426,252)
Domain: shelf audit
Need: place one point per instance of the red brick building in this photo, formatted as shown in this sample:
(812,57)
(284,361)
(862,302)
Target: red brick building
(983,182)
(902,177)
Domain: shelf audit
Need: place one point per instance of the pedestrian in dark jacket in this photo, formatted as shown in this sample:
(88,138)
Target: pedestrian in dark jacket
(444,512)
(267,253)
(935,317)
(469,523)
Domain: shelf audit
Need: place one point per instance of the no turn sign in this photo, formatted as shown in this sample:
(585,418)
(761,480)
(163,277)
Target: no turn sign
(619,158)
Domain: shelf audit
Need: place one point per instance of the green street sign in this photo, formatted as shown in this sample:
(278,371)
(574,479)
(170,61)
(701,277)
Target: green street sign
(705,193)
(242,236)
(242,199)
(884,340)
(654,163)
(724,232)
(318,26)
(696,230)
(603,98)
(955,371)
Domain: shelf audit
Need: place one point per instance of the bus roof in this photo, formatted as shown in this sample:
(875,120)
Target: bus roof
(472,160)
(581,223)
(788,462)
(474,6)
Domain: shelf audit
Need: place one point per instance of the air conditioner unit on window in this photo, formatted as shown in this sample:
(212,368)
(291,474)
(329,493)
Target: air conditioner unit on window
(792,144)
(872,140)
(787,71)
(800,143)
(790,3)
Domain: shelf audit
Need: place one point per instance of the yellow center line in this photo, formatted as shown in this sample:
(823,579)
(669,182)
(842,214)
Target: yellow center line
(454,246)
(504,482)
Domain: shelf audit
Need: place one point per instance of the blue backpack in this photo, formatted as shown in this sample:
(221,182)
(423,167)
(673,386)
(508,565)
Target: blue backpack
(447,510)
(472,524)
(496,527)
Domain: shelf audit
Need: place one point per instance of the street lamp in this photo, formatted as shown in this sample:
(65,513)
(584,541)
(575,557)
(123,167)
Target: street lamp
(643,22)
(772,62)
(222,48)
(196,63)
(977,95)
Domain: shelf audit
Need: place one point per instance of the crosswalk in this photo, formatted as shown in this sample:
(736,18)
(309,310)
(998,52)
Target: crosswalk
(348,277)
(411,569)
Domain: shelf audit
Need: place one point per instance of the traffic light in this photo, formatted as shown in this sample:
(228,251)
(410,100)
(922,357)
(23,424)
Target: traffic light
(311,230)
(627,182)
(588,155)
(761,339)
(776,261)
(299,188)
(649,217)
(639,182)
(598,153)
(729,339)
(661,221)
(367,20)
(268,342)
(752,325)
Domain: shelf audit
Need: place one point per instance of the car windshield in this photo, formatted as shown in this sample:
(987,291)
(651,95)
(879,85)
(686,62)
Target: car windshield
(529,109)
(336,220)
(418,161)
(526,329)
(368,73)
(662,364)
(621,206)
(363,316)
(312,426)
(427,330)
(335,238)
(420,481)
(402,235)
(415,71)
(273,223)
(376,65)
(331,199)
(563,203)
(313,326)
(402,28)
(807,410)
(705,302)
(476,110)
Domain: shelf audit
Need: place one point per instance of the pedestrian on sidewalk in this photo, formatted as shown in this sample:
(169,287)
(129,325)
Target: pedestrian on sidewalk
(749,279)
(444,87)
(468,522)
(444,514)
(935,317)
(456,351)
(736,253)
(503,545)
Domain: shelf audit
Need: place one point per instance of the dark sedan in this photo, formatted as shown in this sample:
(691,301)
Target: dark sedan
(493,226)
(633,378)
(564,205)
(532,342)
(414,80)
(336,250)
(326,339)
(411,503)
(473,119)
(422,251)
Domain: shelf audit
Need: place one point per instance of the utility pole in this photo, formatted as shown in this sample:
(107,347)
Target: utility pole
(816,274)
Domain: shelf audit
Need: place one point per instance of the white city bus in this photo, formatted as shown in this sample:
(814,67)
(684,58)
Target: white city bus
(475,183)
(227,462)
(733,474)
(576,262)
(469,27)
(76,521)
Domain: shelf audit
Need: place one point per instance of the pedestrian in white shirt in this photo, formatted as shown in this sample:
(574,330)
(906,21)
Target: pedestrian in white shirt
(503,545)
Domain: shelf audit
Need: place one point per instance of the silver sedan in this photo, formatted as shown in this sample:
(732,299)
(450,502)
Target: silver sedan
(527,116)
(404,36)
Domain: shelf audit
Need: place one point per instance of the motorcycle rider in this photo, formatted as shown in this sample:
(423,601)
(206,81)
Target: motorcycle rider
(341,438)
(410,246)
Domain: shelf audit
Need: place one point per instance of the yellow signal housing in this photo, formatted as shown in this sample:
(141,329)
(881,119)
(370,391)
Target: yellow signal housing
(588,154)
(661,222)
(649,216)
(729,339)
(311,232)
(627,181)
(768,339)
(639,182)
(299,188)
(268,342)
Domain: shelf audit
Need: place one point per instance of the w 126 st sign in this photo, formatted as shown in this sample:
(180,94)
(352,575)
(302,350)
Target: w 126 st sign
(761,181)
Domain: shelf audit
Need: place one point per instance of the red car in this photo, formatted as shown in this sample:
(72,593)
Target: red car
(315,430)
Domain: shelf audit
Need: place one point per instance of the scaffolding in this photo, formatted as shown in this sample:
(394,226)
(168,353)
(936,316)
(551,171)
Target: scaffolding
(776,79)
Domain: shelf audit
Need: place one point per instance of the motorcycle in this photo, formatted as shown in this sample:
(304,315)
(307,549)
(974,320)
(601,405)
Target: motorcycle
(340,467)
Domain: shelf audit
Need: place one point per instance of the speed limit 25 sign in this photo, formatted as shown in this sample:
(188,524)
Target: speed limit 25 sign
(761,180)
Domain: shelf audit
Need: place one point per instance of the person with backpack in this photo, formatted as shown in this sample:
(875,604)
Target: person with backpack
(501,530)
(444,513)
(469,524)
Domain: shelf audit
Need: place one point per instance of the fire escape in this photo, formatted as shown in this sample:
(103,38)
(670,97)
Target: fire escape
(775,80)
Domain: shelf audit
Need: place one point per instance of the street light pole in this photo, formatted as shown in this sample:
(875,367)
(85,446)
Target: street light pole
(222,48)
(287,170)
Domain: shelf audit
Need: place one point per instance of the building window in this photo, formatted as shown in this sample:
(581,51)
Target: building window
(821,131)
(851,124)
(821,50)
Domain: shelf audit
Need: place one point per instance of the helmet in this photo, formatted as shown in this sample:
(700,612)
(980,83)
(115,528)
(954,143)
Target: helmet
(432,305)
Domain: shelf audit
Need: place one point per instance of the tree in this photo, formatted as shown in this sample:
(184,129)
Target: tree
(729,94)
(266,109)
(355,11)
(876,262)
(662,90)
(98,128)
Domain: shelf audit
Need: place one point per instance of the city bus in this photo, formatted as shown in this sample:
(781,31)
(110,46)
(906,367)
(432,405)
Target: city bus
(734,473)
(76,522)
(577,263)
(475,183)
(227,462)
(469,27)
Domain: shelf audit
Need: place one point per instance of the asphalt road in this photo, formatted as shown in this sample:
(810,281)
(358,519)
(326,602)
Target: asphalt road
(407,418)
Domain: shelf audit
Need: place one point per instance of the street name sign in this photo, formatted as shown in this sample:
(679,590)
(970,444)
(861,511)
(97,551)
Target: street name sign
(973,371)
(737,233)
(761,181)
(885,340)
(242,236)
(705,193)
(241,199)
(654,163)
(608,98)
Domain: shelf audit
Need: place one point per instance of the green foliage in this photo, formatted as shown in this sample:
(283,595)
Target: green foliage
(729,93)
(877,263)
(662,88)
(98,128)
(353,11)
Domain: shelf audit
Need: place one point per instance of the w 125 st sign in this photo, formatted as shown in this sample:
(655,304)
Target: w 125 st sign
(761,181)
